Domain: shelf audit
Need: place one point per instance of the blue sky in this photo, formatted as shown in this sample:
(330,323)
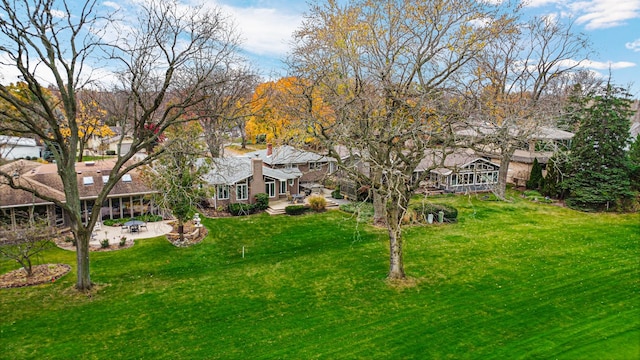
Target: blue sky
(613,27)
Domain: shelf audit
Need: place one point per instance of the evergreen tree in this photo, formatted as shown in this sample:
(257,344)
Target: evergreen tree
(599,171)
(536,179)
(553,182)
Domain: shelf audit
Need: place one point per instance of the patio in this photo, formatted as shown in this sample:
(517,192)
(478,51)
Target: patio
(115,233)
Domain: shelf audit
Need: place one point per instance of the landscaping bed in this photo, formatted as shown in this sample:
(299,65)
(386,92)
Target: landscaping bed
(44,273)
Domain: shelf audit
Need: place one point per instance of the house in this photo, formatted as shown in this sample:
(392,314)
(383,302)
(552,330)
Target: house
(541,144)
(117,144)
(128,198)
(313,167)
(13,147)
(240,179)
(461,171)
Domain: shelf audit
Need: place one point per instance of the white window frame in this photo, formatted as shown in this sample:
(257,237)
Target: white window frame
(242,191)
(222,192)
(270,188)
(283,186)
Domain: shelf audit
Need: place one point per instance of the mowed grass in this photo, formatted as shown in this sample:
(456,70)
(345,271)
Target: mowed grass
(509,280)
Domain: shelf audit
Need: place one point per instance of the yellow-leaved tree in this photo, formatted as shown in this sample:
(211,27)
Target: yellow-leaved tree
(274,118)
(91,122)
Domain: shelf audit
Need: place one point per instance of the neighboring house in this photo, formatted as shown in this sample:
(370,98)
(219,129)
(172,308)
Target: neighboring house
(13,147)
(461,171)
(541,145)
(116,144)
(313,167)
(239,179)
(129,197)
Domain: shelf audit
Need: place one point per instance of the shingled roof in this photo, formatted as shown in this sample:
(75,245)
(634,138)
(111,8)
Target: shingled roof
(45,179)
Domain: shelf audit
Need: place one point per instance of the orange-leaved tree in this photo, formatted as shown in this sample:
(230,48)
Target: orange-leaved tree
(274,117)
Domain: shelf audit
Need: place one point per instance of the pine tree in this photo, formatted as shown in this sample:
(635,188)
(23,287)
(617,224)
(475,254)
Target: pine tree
(598,166)
(553,182)
(536,179)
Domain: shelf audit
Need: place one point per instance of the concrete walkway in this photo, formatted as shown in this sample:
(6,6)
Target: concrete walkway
(115,233)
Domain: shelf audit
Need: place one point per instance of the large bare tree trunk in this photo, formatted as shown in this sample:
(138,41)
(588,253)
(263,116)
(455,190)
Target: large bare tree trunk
(505,159)
(396,261)
(83,281)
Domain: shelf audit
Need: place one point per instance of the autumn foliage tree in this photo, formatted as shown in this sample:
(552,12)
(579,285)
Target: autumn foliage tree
(512,90)
(273,115)
(382,68)
(91,122)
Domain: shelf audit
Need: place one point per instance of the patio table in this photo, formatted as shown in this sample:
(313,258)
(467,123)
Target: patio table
(133,225)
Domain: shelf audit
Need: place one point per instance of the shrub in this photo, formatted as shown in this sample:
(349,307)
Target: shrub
(110,222)
(336,193)
(123,241)
(104,243)
(536,180)
(71,240)
(295,209)
(363,210)
(237,209)
(262,201)
(111,152)
(317,203)
(149,218)
(424,209)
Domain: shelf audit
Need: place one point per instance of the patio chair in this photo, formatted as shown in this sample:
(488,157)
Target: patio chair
(144,225)
(123,228)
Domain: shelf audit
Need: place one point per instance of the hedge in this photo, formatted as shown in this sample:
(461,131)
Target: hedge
(237,209)
(262,201)
(295,209)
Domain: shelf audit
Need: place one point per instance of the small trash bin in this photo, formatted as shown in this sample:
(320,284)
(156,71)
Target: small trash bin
(430,218)
(440,216)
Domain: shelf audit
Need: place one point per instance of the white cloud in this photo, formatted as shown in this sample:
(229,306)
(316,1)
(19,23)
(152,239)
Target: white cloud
(112,5)
(635,45)
(538,3)
(266,31)
(594,14)
(598,65)
(602,14)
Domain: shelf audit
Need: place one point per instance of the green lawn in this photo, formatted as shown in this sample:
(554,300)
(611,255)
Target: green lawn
(508,281)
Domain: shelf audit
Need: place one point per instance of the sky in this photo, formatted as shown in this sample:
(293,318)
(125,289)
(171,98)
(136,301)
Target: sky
(613,27)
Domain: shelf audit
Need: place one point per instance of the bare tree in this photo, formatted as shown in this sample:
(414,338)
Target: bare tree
(25,243)
(164,59)
(228,103)
(515,90)
(380,71)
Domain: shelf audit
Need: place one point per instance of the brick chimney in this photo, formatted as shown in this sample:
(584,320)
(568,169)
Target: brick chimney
(257,184)
(269,149)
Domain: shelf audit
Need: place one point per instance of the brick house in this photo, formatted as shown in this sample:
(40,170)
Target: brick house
(313,167)
(240,179)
